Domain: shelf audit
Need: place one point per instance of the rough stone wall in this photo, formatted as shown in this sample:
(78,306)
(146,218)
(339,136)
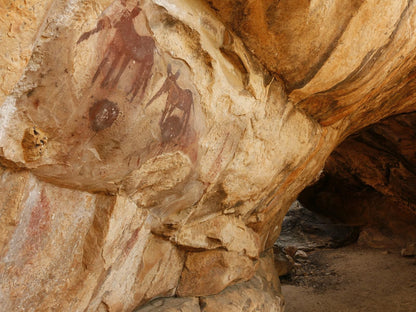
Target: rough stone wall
(370,181)
(345,63)
(141,145)
(146,152)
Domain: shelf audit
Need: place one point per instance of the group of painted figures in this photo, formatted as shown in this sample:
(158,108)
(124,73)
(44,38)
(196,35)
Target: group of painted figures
(130,48)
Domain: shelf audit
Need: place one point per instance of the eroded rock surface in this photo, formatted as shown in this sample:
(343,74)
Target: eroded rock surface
(260,293)
(134,148)
(370,181)
(142,139)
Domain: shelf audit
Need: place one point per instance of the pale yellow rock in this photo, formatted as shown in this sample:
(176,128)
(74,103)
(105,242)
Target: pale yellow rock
(42,257)
(150,269)
(11,194)
(140,140)
(222,231)
(20,24)
(261,293)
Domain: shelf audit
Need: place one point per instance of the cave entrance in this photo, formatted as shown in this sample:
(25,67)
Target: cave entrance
(354,247)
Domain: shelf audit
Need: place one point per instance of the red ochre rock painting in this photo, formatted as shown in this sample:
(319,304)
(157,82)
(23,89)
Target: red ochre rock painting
(39,224)
(102,114)
(130,50)
(175,116)
(126,47)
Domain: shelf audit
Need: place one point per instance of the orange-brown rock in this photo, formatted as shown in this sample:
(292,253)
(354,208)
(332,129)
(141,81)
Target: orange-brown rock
(142,139)
(339,59)
(209,272)
(260,293)
(370,180)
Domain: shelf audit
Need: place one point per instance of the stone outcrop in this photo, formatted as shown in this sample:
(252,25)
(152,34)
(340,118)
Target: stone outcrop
(370,181)
(261,293)
(152,148)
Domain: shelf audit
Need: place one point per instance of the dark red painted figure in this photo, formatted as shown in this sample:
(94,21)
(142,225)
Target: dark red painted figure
(175,116)
(127,46)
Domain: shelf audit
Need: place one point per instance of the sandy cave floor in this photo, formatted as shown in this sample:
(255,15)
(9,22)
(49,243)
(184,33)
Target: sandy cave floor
(352,279)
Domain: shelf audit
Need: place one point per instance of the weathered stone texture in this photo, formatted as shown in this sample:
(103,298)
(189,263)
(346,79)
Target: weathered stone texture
(339,59)
(140,140)
(209,272)
(260,293)
(370,181)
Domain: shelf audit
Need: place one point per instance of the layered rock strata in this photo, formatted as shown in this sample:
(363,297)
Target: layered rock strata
(146,152)
(370,181)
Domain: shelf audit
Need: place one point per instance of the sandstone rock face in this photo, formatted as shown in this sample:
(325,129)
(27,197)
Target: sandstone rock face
(261,293)
(211,271)
(339,59)
(370,181)
(145,152)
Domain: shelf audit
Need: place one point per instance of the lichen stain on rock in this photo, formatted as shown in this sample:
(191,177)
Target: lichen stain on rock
(102,114)
(34,144)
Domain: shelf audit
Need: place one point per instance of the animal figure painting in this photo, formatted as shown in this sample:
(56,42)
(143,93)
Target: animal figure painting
(131,69)
(126,48)
(175,116)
